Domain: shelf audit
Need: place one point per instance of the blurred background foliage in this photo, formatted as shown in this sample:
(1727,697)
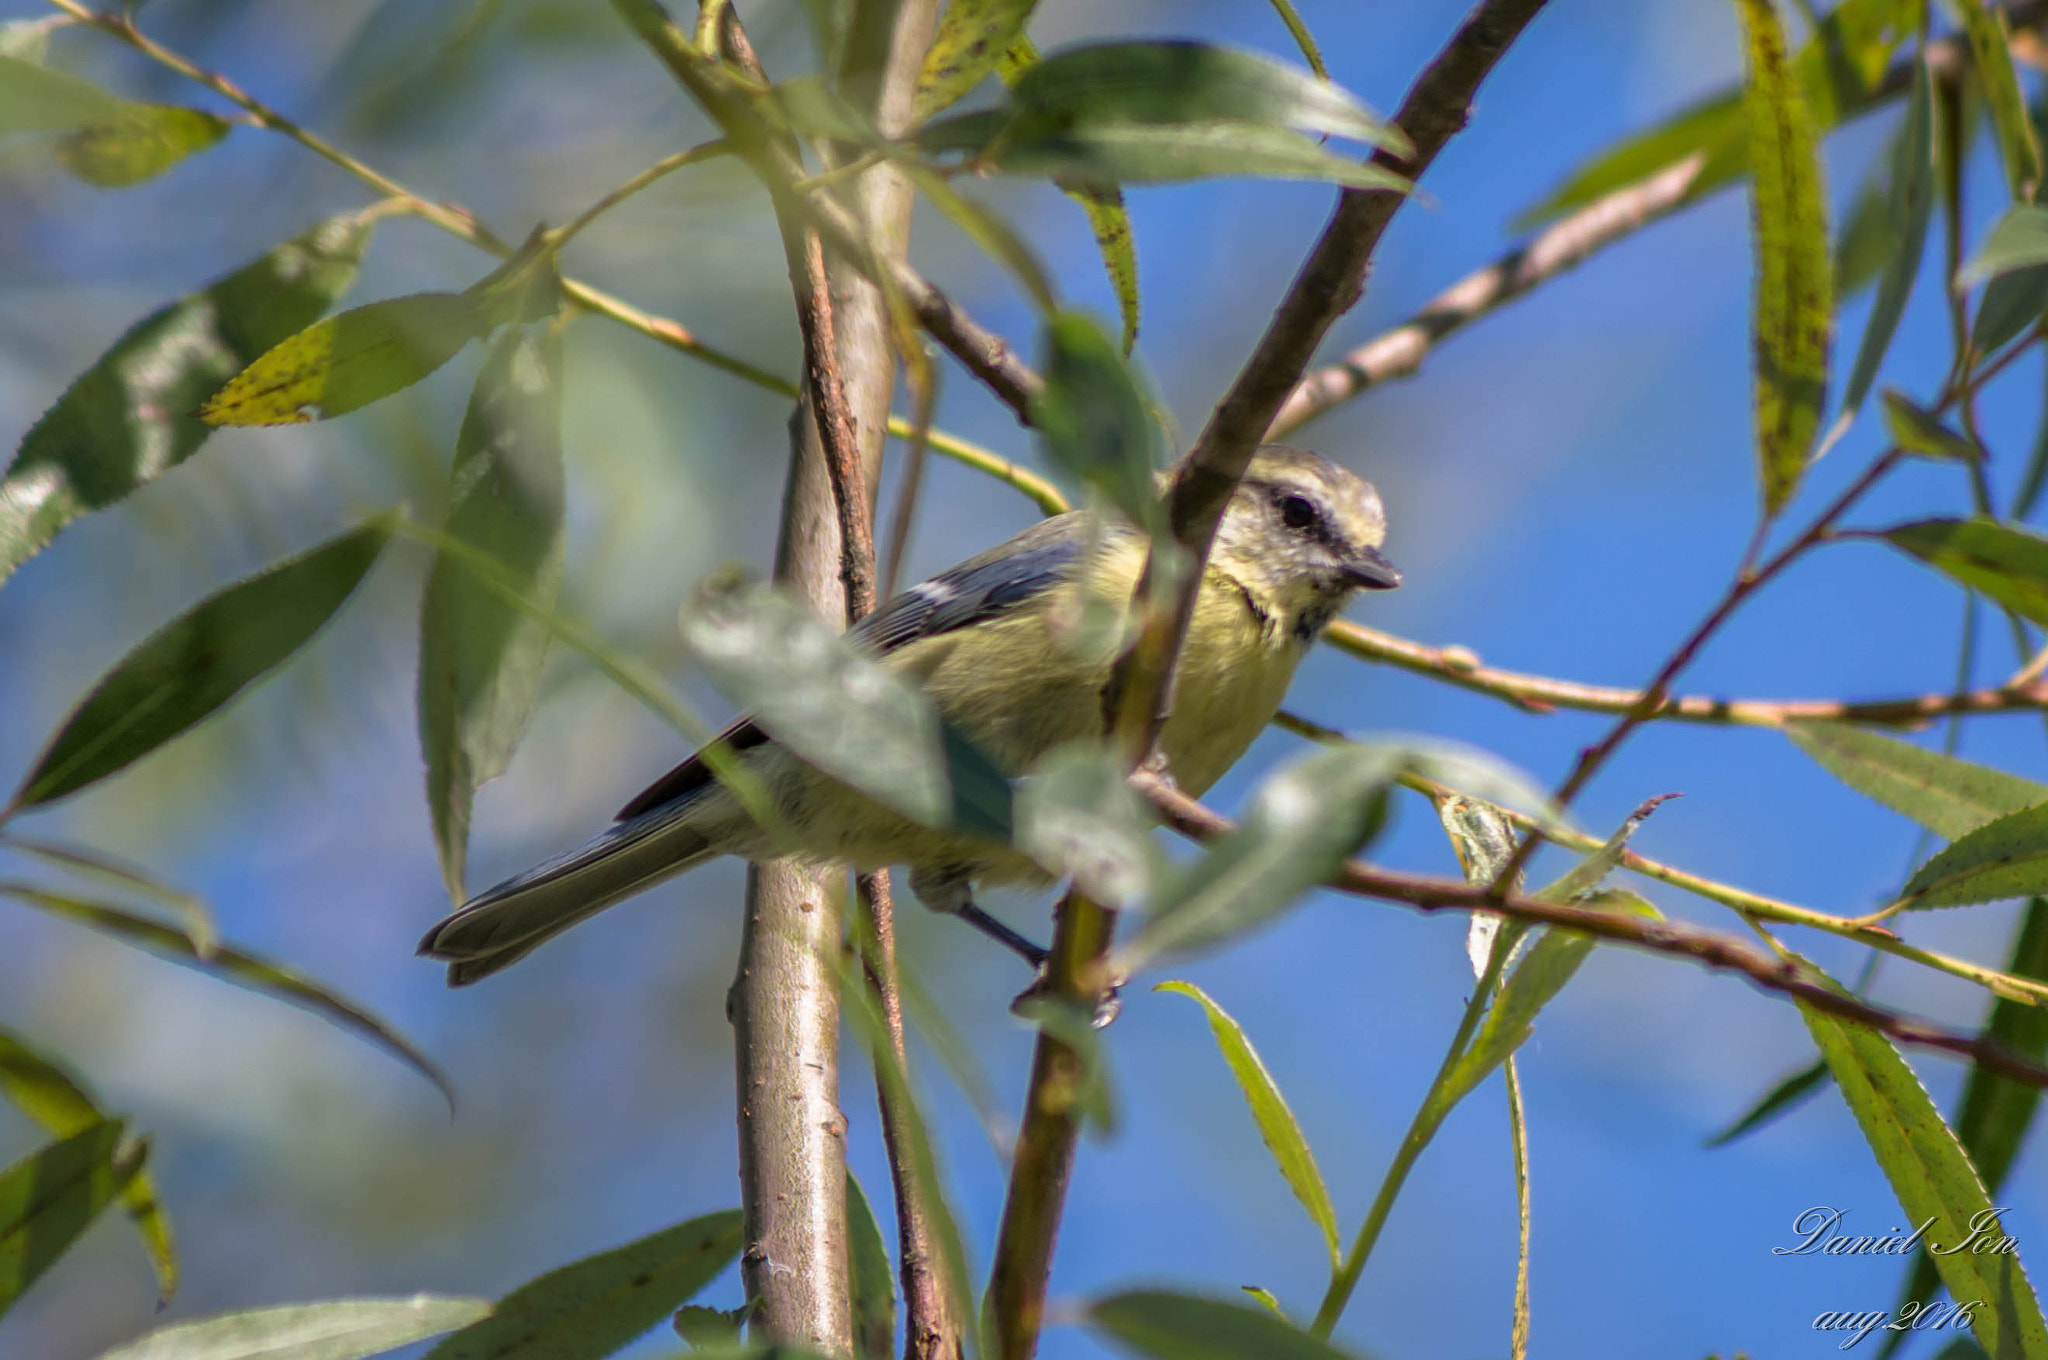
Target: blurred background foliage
(1566,486)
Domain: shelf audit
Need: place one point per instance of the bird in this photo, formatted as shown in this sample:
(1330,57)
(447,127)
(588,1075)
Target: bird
(996,644)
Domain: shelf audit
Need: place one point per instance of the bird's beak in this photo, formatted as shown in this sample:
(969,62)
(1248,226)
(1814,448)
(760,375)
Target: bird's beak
(1370,570)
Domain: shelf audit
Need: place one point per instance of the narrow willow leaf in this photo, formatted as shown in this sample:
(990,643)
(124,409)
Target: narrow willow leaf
(1540,975)
(341,1329)
(716,1329)
(2011,303)
(1932,1179)
(1303,39)
(2018,241)
(1996,1112)
(1278,1127)
(334,366)
(1092,418)
(1171,1326)
(231,965)
(972,37)
(1840,73)
(2005,858)
(1178,82)
(874,1287)
(2035,479)
(124,422)
(1918,430)
(986,228)
(1102,156)
(839,708)
(1907,207)
(1077,814)
(480,658)
(1788,1094)
(1303,823)
(55,1099)
(1794,307)
(92,864)
(1518,1142)
(1266,1299)
(145,141)
(1108,219)
(1991,62)
(1864,239)
(2007,563)
(198,662)
(1949,797)
(49,1197)
(592,1307)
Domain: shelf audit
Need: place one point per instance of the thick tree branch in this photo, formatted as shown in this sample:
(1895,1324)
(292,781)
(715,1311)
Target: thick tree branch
(1703,947)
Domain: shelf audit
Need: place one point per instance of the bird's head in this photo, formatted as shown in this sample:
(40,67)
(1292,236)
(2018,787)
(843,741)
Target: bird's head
(1301,535)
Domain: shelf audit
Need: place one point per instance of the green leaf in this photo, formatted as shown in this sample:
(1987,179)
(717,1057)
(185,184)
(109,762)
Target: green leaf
(1840,73)
(2011,303)
(1932,1179)
(124,422)
(1102,156)
(341,1329)
(1991,63)
(1077,814)
(1093,420)
(105,869)
(874,1288)
(1266,1300)
(198,662)
(1107,217)
(1794,307)
(2007,563)
(334,366)
(2004,858)
(1540,975)
(1949,797)
(230,965)
(145,141)
(1304,822)
(480,658)
(986,228)
(1178,82)
(49,1197)
(594,1306)
(1278,1127)
(53,1098)
(1907,206)
(1172,1326)
(1787,1094)
(1918,430)
(1303,39)
(841,709)
(1997,1111)
(2018,241)
(972,37)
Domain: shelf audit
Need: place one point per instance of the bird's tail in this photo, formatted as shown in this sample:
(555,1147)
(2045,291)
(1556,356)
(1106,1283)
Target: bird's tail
(502,925)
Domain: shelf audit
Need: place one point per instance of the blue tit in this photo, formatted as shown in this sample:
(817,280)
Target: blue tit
(997,644)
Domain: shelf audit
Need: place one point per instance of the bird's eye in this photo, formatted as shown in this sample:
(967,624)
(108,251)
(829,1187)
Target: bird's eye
(1297,512)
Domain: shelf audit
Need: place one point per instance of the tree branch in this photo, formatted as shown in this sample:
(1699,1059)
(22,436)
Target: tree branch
(1707,948)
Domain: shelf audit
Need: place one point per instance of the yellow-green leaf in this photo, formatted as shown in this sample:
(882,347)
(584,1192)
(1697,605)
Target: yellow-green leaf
(867,1269)
(49,1197)
(972,37)
(1278,1127)
(1794,305)
(338,1329)
(1949,797)
(145,141)
(1933,1180)
(350,360)
(1172,1326)
(2001,859)
(55,1099)
(1918,430)
(2009,564)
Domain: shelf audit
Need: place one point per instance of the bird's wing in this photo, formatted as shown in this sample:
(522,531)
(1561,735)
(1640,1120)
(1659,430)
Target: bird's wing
(999,580)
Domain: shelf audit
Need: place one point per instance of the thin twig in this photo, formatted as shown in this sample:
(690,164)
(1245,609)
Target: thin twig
(1706,948)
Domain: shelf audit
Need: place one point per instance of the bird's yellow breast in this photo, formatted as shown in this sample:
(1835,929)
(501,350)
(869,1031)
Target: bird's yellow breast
(1019,686)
